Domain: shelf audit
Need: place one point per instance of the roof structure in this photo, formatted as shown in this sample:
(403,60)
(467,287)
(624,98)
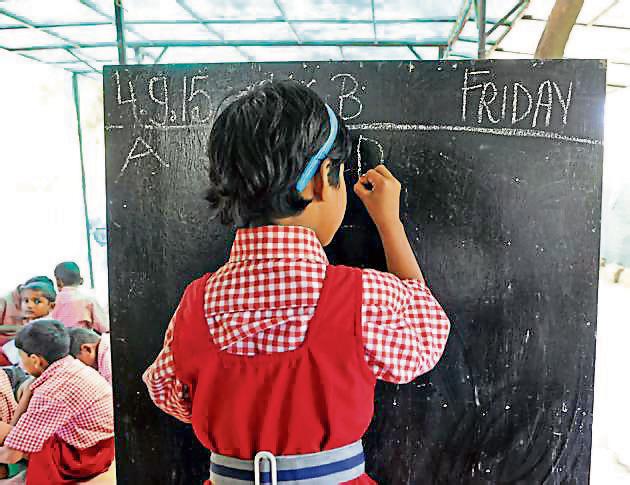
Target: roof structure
(81,35)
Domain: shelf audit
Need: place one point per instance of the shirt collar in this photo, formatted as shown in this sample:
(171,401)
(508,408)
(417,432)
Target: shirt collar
(277,242)
(51,370)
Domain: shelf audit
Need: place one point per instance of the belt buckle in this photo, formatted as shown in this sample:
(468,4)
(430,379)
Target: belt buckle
(265,455)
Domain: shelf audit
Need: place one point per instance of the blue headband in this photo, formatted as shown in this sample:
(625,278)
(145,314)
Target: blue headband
(322,153)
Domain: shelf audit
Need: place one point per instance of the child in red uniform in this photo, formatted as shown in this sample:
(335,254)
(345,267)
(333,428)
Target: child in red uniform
(67,430)
(92,349)
(277,352)
(74,308)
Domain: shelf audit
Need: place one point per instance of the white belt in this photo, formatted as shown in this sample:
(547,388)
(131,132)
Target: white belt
(325,467)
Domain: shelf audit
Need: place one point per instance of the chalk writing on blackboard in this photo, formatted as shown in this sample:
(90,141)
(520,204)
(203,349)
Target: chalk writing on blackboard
(195,91)
(513,103)
(132,96)
(364,139)
(493,107)
(163,102)
(140,149)
(521,132)
(349,94)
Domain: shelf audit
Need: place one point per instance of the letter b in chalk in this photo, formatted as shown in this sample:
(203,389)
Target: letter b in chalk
(349,86)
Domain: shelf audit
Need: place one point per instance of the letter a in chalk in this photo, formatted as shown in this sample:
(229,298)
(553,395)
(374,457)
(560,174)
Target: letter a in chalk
(540,103)
(140,149)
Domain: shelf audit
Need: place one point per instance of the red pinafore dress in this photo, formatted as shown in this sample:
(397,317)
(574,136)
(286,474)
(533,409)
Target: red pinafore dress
(315,398)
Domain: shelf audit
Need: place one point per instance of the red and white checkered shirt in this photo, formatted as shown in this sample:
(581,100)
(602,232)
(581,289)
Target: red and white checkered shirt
(104,360)
(70,400)
(11,308)
(74,308)
(8,405)
(261,301)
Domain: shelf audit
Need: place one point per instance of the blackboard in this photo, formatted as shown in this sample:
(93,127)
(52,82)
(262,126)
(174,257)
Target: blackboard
(501,168)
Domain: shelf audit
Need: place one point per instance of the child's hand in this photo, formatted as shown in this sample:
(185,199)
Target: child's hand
(383,200)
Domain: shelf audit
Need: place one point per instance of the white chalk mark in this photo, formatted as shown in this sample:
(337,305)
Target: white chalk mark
(184,100)
(161,102)
(503,106)
(176,127)
(359,162)
(148,150)
(343,96)
(515,117)
(485,103)
(194,91)
(132,95)
(467,88)
(519,132)
(565,104)
(539,103)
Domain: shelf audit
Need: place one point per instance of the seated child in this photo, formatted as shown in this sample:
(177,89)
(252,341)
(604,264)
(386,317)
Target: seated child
(11,317)
(8,404)
(92,349)
(11,308)
(74,308)
(278,351)
(67,431)
(38,299)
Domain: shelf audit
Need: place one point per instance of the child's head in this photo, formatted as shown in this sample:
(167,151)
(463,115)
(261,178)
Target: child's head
(68,274)
(38,299)
(41,343)
(42,279)
(84,345)
(259,147)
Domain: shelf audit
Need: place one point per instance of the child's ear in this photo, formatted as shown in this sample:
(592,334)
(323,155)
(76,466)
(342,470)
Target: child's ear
(52,305)
(323,180)
(80,281)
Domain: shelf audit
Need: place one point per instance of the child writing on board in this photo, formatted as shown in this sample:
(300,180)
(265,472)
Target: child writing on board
(274,357)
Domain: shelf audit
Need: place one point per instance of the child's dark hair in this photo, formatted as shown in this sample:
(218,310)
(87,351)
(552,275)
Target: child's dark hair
(258,147)
(68,272)
(47,338)
(43,279)
(80,336)
(47,289)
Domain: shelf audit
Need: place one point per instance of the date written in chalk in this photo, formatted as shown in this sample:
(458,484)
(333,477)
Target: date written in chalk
(515,103)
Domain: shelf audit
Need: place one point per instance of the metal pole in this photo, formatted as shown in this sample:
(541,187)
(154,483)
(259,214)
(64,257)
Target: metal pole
(120,32)
(77,109)
(481,28)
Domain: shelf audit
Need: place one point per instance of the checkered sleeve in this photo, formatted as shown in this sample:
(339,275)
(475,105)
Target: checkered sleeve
(7,398)
(165,389)
(404,327)
(43,418)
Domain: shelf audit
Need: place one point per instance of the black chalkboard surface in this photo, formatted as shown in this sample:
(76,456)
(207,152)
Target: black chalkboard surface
(501,165)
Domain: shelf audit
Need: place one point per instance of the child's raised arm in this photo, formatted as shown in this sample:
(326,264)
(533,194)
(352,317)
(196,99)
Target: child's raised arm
(382,202)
